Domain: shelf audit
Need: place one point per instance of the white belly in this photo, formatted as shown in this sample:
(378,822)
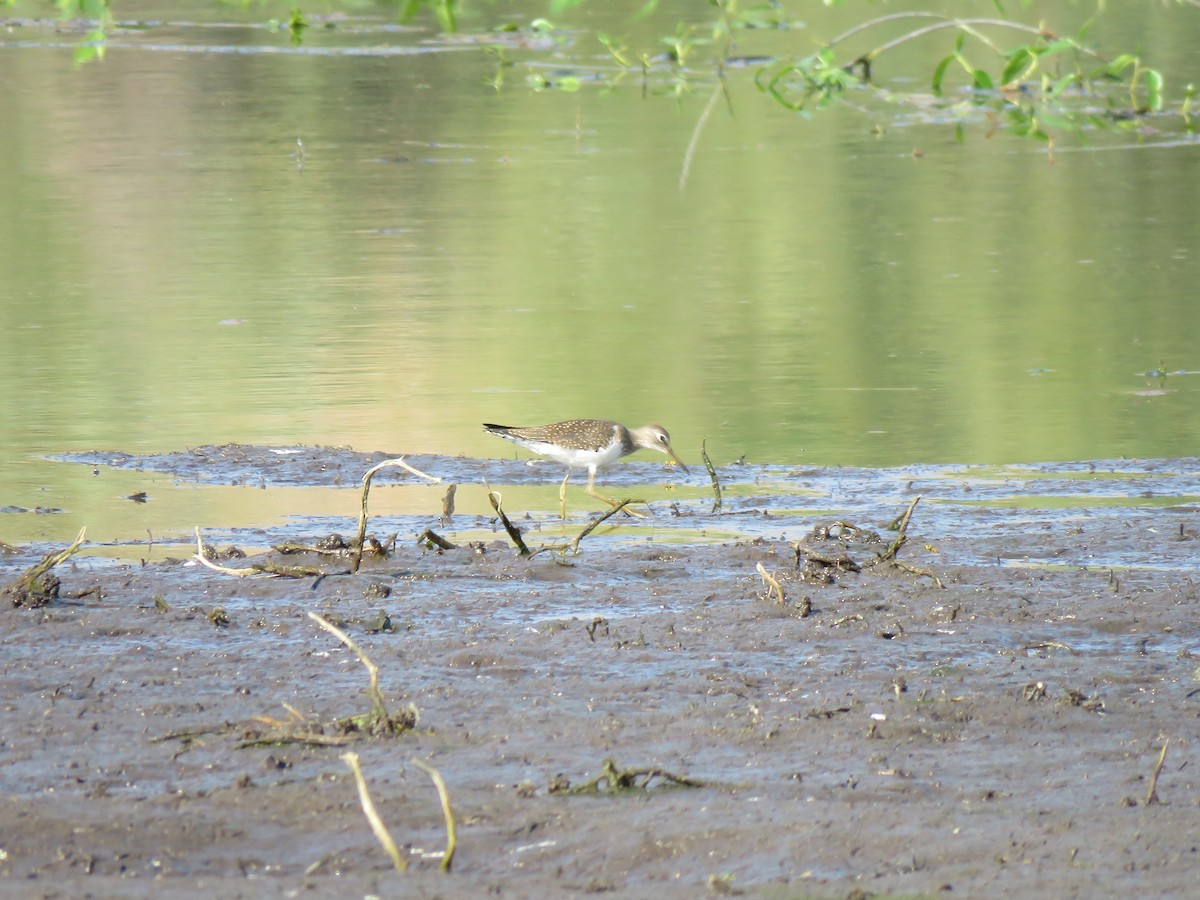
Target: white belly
(577,459)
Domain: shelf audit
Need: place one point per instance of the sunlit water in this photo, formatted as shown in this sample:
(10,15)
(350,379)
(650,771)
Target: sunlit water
(212,236)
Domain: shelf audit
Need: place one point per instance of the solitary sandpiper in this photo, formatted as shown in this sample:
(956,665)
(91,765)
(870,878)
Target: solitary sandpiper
(590,443)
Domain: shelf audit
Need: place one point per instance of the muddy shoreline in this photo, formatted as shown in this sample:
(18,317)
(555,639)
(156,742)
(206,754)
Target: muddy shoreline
(874,732)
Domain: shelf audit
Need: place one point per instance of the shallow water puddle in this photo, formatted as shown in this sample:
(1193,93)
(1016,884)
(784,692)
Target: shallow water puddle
(254,496)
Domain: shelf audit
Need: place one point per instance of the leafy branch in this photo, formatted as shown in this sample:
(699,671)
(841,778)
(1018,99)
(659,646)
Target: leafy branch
(1027,83)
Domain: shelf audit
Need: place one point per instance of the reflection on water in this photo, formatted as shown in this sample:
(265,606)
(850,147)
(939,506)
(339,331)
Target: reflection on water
(435,253)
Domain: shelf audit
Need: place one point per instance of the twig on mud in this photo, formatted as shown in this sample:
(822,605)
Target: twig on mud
(189,735)
(436,539)
(1152,793)
(773,586)
(368,807)
(280,738)
(914,570)
(332,545)
(224,570)
(1050,645)
(319,864)
(514,533)
(841,561)
(889,555)
(596,521)
(366,483)
(281,733)
(293,731)
(26,591)
(712,473)
(630,780)
(901,526)
(379,720)
(447,812)
(267,569)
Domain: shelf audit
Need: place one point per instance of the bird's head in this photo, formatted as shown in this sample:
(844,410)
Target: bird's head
(655,437)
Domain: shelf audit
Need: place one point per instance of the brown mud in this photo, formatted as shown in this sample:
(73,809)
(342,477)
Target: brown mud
(873,733)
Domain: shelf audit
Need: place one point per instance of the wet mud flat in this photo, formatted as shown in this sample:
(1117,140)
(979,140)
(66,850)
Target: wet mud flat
(986,720)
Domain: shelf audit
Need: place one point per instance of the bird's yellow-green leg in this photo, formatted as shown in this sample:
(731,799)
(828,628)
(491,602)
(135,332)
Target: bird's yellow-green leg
(562,496)
(591,489)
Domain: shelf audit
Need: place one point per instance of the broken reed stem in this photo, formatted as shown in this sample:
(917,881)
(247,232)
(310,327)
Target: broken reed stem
(1152,793)
(366,483)
(712,473)
(447,812)
(514,533)
(24,583)
(773,586)
(378,707)
(268,569)
(627,779)
(616,508)
(50,560)
(368,807)
(700,122)
(436,539)
(224,570)
(901,531)
(913,570)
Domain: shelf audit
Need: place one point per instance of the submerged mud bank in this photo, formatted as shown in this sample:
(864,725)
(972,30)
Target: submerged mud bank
(873,731)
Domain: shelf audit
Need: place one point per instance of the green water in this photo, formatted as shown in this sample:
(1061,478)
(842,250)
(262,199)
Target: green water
(437,252)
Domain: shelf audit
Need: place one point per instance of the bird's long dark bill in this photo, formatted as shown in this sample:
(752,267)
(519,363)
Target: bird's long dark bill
(678,461)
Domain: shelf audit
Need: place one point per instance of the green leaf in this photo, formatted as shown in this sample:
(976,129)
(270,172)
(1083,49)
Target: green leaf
(1020,62)
(1062,122)
(1154,87)
(1062,84)
(940,73)
(91,47)
(296,25)
(983,81)
(447,17)
(1120,64)
(646,8)
(1056,47)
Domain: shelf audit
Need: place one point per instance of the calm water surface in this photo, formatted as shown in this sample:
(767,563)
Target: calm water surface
(436,252)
